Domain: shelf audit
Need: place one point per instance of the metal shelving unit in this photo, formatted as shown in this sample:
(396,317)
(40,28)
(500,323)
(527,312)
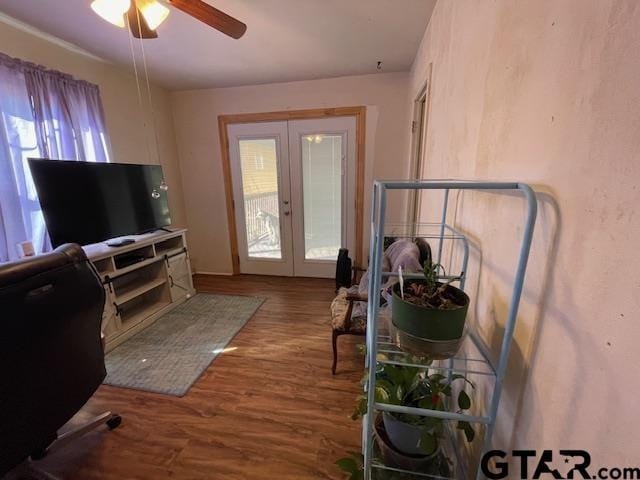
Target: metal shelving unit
(473,358)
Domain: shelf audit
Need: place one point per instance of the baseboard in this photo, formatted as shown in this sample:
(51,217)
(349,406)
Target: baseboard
(226,274)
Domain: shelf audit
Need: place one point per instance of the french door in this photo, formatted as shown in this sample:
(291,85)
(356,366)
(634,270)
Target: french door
(294,194)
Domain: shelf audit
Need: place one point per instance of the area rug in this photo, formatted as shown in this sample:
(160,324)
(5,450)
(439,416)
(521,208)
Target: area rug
(171,354)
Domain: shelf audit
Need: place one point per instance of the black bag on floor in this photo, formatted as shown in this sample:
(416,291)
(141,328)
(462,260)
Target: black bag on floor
(343,269)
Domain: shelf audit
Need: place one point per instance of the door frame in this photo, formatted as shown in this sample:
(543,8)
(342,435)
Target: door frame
(419,131)
(224,120)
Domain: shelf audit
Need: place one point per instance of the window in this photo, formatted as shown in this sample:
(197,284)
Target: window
(45,114)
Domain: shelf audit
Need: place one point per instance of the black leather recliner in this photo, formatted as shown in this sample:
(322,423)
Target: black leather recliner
(51,352)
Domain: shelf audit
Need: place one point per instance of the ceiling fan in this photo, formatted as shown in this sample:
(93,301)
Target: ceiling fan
(144,16)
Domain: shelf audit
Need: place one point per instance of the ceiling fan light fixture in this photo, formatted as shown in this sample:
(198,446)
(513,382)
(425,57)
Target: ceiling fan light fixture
(153,12)
(112,10)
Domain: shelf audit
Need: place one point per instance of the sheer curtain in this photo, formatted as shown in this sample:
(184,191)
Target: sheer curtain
(44,114)
(17,143)
(69,117)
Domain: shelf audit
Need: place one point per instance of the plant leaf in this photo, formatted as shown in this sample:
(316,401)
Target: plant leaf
(464,402)
(384,385)
(414,383)
(399,394)
(394,373)
(469,432)
(410,375)
(360,408)
(348,465)
(428,442)
(382,395)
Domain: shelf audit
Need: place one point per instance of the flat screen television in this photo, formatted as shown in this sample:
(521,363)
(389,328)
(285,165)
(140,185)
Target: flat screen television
(85,202)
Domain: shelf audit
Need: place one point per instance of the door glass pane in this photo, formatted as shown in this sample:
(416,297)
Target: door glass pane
(259,166)
(322,196)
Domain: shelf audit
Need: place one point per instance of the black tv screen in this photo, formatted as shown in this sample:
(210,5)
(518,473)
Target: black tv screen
(86,202)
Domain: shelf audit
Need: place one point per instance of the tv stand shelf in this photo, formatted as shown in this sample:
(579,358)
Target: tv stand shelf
(137,290)
(142,281)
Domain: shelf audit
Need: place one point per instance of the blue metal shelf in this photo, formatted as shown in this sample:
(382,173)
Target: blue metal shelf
(459,469)
(469,358)
(473,357)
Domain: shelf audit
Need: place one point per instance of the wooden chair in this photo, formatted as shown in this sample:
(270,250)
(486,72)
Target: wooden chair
(341,321)
(342,305)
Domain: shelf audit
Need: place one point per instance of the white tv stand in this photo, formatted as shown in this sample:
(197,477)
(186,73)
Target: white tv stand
(142,281)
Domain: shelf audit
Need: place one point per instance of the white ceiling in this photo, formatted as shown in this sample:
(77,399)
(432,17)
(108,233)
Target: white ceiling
(286,40)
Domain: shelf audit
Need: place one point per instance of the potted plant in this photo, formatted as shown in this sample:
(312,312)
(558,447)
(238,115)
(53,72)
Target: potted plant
(429,315)
(415,440)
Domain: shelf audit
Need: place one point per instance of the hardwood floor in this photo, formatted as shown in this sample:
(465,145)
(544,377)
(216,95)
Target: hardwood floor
(267,408)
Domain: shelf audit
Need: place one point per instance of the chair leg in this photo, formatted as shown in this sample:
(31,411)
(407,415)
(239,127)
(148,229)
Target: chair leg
(111,420)
(334,342)
(30,471)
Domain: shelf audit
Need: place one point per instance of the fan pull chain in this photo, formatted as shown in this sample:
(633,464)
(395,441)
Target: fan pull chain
(135,70)
(151,106)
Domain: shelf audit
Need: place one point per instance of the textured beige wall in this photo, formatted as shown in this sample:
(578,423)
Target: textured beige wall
(547,92)
(196,122)
(130,128)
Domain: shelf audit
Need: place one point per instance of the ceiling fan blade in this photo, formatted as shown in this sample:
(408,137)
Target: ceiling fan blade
(211,16)
(138,24)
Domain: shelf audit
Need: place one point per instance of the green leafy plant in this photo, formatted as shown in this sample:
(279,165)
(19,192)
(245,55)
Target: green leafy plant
(414,387)
(429,292)
(352,465)
(431,275)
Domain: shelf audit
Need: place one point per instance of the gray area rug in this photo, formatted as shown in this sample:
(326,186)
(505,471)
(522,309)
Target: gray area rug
(171,354)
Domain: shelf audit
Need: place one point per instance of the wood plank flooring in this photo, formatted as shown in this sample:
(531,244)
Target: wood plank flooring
(267,408)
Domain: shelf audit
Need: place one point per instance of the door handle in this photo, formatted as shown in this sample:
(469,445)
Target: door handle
(286,202)
(287,213)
